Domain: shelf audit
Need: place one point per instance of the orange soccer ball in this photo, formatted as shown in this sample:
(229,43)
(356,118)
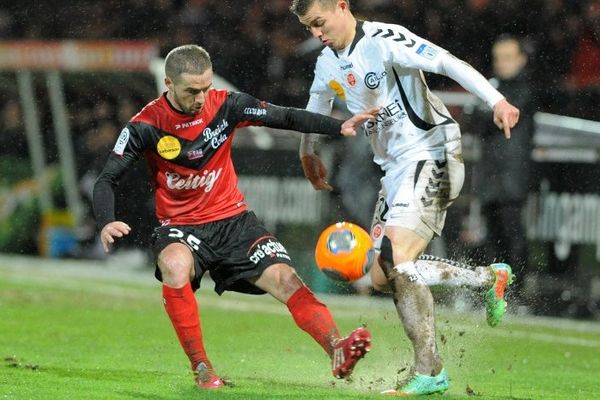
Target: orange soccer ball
(344,252)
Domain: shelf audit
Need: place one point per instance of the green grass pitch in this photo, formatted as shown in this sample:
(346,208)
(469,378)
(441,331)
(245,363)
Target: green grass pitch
(76,331)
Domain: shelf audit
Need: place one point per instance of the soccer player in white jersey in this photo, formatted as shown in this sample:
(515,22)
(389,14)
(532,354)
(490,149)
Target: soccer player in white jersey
(417,145)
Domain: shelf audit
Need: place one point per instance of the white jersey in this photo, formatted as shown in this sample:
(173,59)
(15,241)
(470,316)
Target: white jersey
(383,68)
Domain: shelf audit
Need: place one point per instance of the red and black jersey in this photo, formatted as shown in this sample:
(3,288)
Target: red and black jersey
(189,156)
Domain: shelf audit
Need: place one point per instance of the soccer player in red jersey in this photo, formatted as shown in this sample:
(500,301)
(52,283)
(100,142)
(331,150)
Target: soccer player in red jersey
(185,136)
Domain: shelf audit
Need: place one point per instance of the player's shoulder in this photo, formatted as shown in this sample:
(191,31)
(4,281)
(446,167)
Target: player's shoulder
(386,32)
(215,99)
(327,61)
(374,26)
(151,112)
(218,95)
(236,100)
(326,55)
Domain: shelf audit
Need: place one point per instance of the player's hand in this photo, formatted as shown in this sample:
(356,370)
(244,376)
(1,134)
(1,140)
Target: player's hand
(111,231)
(315,172)
(506,116)
(350,126)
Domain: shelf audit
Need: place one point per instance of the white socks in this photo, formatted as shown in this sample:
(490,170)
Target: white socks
(441,273)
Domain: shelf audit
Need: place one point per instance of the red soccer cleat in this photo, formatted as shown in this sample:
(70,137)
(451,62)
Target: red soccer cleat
(206,378)
(347,351)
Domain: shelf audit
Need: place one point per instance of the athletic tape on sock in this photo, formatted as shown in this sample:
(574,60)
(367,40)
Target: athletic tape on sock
(409,269)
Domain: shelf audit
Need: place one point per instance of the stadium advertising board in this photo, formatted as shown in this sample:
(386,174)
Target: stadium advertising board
(77,55)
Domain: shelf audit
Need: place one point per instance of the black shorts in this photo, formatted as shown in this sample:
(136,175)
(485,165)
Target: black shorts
(232,250)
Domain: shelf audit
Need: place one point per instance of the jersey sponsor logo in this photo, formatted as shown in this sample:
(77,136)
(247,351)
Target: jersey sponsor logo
(268,247)
(388,116)
(351,79)
(193,181)
(195,154)
(119,148)
(189,124)
(347,66)
(373,79)
(337,89)
(255,111)
(427,52)
(216,137)
(168,147)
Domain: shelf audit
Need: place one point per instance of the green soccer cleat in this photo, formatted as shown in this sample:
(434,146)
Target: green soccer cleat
(495,305)
(420,385)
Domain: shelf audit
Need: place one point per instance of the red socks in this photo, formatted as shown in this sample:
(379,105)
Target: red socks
(310,315)
(182,309)
(313,317)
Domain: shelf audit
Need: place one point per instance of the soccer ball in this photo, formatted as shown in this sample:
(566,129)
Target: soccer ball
(344,252)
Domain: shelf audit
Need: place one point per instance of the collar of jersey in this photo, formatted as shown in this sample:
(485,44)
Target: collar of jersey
(172,107)
(359,34)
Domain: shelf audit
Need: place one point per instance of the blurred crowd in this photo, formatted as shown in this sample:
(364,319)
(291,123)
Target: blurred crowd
(261,48)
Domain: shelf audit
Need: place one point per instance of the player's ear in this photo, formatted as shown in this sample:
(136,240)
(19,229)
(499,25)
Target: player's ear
(168,82)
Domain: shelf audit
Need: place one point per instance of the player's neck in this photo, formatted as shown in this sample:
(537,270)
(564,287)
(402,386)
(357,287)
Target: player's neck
(172,101)
(351,33)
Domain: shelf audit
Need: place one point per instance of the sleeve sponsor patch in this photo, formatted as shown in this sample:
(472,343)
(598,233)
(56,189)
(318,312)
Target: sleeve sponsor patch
(427,51)
(121,142)
(255,111)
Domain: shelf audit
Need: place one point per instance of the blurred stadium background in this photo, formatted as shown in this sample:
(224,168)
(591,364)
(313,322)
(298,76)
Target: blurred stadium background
(72,74)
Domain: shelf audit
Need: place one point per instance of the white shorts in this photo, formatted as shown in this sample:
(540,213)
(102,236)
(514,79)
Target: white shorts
(417,197)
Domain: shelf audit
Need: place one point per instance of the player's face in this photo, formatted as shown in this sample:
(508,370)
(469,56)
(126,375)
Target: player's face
(331,25)
(188,92)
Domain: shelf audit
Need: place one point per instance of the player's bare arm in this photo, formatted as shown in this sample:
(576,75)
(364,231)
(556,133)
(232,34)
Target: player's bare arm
(112,230)
(313,167)
(506,116)
(310,122)
(315,172)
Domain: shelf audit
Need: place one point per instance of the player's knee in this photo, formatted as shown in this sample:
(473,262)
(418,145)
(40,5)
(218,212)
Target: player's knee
(288,278)
(283,279)
(406,244)
(176,267)
(397,273)
(406,274)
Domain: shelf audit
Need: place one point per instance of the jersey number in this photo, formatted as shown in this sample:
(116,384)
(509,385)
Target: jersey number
(190,240)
